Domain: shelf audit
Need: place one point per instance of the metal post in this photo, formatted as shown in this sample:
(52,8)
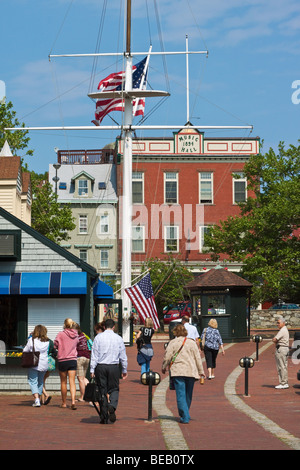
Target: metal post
(246,380)
(150,396)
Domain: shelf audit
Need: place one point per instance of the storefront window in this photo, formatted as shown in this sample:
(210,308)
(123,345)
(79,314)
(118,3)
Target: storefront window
(216,305)
(8,321)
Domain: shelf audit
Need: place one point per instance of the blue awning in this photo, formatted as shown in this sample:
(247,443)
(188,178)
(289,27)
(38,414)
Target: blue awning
(43,283)
(103,290)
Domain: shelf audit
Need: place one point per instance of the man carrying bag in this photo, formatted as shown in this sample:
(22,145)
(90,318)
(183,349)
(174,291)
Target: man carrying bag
(108,351)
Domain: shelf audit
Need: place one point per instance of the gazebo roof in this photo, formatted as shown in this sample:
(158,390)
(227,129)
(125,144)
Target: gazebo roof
(216,278)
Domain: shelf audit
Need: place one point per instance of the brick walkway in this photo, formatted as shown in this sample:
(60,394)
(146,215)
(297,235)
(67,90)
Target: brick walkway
(268,419)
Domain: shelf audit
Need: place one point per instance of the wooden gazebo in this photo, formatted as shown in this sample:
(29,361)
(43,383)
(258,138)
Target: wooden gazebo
(225,296)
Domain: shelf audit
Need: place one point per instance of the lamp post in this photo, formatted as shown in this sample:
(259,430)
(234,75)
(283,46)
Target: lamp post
(257,339)
(246,363)
(55,178)
(150,378)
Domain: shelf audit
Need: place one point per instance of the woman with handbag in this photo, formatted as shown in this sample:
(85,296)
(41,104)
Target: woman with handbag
(182,356)
(38,343)
(212,343)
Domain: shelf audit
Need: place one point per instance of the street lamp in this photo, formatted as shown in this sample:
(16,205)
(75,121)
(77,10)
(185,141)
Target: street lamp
(55,178)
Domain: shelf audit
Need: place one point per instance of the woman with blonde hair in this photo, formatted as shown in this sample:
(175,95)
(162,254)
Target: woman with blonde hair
(144,346)
(182,356)
(212,344)
(66,344)
(36,374)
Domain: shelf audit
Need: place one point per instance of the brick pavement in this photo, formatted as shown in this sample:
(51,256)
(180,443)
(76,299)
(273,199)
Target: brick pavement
(216,424)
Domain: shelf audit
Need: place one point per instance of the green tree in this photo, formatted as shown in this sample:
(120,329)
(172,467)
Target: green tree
(18,140)
(265,236)
(48,217)
(168,279)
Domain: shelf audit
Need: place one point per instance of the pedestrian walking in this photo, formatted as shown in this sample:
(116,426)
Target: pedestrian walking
(281,341)
(66,344)
(83,361)
(36,374)
(145,348)
(183,359)
(212,343)
(108,351)
(191,329)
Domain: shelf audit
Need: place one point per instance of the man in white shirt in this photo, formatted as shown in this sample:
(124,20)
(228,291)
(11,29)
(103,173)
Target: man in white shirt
(108,352)
(191,329)
(281,341)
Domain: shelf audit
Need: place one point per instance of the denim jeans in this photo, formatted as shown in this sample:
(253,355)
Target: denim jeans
(145,367)
(36,380)
(184,392)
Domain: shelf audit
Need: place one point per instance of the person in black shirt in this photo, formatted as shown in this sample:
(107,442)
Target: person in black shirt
(145,349)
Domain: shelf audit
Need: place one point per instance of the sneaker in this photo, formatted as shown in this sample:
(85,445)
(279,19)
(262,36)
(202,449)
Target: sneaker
(281,387)
(37,403)
(111,414)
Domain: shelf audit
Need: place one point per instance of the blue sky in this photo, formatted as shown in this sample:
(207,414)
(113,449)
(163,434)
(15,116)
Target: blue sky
(247,79)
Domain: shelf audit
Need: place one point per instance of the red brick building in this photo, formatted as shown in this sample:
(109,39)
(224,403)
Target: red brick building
(181,186)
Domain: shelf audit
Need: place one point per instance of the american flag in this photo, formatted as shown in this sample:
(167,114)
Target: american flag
(141,295)
(116,82)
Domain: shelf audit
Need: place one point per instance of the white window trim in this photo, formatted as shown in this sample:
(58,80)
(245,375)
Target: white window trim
(104,224)
(80,218)
(141,179)
(201,237)
(177,186)
(88,188)
(106,261)
(234,180)
(212,186)
(165,239)
(142,238)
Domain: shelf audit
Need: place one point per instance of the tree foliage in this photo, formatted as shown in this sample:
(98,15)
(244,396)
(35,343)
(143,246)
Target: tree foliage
(48,217)
(265,236)
(18,140)
(168,279)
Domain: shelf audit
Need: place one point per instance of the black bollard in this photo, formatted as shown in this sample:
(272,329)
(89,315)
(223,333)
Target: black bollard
(257,339)
(246,363)
(150,378)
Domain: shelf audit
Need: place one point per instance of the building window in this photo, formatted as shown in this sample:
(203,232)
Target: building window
(82,187)
(10,245)
(138,187)
(171,238)
(104,224)
(239,187)
(103,258)
(138,239)
(83,224)
(206,187)
(171,188)
(83,255)
(204,229)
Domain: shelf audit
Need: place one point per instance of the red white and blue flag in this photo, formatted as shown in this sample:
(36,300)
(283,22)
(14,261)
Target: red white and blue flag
(116,82)
(142,297)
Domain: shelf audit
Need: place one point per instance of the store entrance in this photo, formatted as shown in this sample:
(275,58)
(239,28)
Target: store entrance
(8,321)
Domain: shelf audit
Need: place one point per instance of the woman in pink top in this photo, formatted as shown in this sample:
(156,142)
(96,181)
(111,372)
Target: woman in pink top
(66,344)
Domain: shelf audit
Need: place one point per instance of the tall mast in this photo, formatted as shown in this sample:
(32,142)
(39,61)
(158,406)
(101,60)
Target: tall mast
(126,203)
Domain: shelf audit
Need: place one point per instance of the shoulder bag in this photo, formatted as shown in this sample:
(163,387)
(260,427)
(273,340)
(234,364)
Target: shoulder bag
(51,359)
(171,382)
(202,343)
(31,358)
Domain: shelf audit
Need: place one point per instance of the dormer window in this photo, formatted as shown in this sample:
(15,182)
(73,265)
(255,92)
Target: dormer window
(83,188)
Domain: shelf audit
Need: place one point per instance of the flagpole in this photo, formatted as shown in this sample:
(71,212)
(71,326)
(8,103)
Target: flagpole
(127,184)
(187,80)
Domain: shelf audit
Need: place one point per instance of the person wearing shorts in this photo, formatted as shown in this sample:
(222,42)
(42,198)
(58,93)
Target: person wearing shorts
(83,360)
(66,344)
